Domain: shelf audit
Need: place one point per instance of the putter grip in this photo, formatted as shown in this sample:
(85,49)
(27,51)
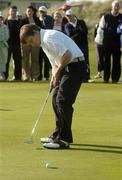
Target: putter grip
(51,89)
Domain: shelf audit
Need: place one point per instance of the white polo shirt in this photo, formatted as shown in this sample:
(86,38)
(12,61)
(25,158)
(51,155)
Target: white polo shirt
(55,44)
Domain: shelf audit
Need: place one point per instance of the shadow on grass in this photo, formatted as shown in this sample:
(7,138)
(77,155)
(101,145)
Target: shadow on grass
(6,110)
(39,148)
(97,148)
(91,147)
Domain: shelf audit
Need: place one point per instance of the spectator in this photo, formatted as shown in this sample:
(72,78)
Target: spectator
(57,21)
(111,42)
(77,30)
(64,8)
(4,35)
(98,35)
(14,49)
(45,19)
(48,23)
(30,55)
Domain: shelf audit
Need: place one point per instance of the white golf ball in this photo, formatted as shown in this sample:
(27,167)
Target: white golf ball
(48,165)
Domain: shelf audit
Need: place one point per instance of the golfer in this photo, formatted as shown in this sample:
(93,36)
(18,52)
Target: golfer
(68,67)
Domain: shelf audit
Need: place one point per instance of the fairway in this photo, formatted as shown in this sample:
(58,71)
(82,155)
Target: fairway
(96,153)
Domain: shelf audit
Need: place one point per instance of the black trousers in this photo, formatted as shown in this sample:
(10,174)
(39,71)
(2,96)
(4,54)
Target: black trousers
(16,52)
(113,51)
(43,60)
(85,49)
(100,57)
(63,98)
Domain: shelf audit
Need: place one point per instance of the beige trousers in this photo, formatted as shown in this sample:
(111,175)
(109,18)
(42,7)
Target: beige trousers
(30,63)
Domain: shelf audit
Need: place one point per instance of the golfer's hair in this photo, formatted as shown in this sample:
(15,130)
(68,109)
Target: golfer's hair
(13,7)
(26,31)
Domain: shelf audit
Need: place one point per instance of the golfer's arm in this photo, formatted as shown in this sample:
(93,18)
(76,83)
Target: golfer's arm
(65,59)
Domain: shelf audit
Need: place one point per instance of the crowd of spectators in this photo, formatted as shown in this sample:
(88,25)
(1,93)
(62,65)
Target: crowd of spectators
(31,63)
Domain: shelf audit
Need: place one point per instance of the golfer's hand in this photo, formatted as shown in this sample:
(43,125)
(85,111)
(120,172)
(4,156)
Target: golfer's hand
(53,82)
(55,77)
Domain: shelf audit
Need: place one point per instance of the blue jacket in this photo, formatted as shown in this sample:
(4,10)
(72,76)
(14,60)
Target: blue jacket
(119,31)
(48,22)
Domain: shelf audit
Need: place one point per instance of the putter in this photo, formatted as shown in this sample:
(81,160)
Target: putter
(31,141)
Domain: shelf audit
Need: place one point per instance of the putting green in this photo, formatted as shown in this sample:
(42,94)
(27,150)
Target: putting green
(97,128)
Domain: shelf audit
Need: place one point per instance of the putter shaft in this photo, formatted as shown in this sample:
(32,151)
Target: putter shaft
(40,112)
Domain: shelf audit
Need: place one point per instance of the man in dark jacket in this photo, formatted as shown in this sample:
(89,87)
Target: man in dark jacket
(77,30)
(13,24)
(111,42)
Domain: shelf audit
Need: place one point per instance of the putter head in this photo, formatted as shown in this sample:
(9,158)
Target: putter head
(29,141)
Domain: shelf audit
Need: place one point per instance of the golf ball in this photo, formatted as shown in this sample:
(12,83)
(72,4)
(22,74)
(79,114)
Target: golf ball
(48,165)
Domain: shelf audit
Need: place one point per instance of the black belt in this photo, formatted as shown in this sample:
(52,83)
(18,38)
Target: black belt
(78,59)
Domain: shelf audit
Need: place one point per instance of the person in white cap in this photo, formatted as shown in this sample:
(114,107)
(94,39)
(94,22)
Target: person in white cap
(4,35)
(48,23)
(78,31)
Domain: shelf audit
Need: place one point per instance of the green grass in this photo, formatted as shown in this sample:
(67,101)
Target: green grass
(97,127)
